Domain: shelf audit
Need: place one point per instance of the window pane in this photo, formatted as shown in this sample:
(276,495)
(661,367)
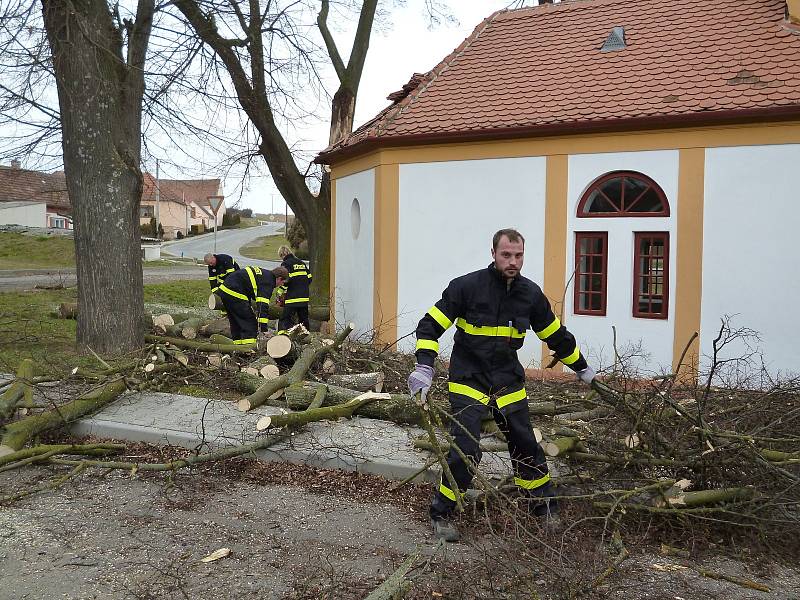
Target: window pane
(597,264)
(597,283)
(597,302)
(649,202)
(597,245)
(582,302)
(613,189)
(598,204)
(583,283)
(583,264)
(634,188)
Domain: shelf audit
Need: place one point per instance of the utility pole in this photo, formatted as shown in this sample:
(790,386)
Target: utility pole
(158,203)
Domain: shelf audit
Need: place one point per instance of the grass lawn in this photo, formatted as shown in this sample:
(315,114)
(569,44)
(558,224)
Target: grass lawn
(27,329)
(264,248)
(18,251)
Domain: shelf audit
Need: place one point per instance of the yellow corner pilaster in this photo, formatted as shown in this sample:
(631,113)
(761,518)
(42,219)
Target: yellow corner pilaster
(386,239)
(555,237)
(689,260)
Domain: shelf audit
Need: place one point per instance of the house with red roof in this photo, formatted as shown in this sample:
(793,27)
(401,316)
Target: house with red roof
(648,151)
(180,203)
(33,198)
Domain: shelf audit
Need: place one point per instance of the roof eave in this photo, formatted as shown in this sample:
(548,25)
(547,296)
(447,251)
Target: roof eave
(697,119)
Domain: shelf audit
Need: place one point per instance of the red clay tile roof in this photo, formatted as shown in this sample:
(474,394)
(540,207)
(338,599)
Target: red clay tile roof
(177,190)
(23,185)
(540,70)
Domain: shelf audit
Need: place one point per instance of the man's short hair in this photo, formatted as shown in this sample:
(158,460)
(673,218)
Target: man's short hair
(284,251)
(208,258)
(512,234)
(280,272)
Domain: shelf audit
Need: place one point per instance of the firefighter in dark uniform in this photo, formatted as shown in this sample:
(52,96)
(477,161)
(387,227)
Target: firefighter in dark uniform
(296,293)
(219,267)
(492,310)
(251,284)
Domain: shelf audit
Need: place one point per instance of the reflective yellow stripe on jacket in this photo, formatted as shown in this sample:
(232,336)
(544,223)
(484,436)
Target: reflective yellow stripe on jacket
(295,300)
(230,292)
(498,331)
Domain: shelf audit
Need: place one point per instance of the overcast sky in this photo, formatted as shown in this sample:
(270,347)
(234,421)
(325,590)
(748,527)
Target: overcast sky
(409,46)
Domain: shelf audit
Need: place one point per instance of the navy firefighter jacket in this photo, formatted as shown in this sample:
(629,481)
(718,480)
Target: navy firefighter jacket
(492,316)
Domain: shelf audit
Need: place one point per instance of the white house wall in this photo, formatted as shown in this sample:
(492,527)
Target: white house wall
(448,214)
(28,214)
(594,333)
(750,231)
(354,278)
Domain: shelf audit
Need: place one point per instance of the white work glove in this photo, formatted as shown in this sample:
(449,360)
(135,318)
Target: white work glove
(419,382)
(586,376)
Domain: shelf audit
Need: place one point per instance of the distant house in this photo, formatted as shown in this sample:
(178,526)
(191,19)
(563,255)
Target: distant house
(180,204)
(33,198)
(648,150)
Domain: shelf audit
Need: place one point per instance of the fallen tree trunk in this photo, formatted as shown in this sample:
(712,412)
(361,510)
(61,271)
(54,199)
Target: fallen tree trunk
(296,374)
(202,346)
(191,327)
(17,434)
(218,338)
(359,381)
(221,326)
(19,391)
(327,413)
(45,451)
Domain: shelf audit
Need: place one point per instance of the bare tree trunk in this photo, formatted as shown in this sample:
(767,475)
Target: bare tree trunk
(100,97)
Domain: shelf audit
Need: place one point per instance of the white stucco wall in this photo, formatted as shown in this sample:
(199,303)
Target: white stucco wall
(27,214)
(355,256)
(750,266)
(594,333)
(448,214)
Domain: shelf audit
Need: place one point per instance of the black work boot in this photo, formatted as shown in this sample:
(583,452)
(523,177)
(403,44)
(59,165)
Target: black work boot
(444,529)
(543,506)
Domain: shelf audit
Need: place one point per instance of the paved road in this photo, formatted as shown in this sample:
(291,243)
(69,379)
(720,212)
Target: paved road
(26,280)
(228,242)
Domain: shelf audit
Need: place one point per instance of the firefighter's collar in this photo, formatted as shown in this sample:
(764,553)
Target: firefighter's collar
(493,270)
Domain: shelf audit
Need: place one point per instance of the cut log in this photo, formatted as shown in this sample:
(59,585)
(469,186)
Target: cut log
(359,381)
(19,392)
(251,371)
(560,446)
(190,328)
(269,372)
(328,367)
(215,302)
(162,322)
(279,346)
(707,497)
(17,434)
(221,326)
(202,346)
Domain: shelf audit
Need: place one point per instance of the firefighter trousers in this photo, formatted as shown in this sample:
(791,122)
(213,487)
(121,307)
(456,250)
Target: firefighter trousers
(244,326)
(288,316)
(469,403)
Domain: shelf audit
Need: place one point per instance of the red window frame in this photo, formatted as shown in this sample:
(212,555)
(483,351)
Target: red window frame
(625,205)
(651,288)
(577,291)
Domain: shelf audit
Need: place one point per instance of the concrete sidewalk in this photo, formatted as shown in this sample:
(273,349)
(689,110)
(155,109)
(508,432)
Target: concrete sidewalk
(358,444)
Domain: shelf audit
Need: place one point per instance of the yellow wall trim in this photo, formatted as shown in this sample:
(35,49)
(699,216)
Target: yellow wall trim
(332,291)
(386,241)
(668,139)
(555,238)
(689,259)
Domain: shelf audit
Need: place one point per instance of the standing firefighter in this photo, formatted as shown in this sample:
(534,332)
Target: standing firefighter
(240,288)
(297,290)
(492,309)
(219,267)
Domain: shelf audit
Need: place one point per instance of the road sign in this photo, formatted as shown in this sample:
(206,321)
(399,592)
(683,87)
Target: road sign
(215,202)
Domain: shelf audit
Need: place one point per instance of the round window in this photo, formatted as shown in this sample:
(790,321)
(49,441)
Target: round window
(355,218)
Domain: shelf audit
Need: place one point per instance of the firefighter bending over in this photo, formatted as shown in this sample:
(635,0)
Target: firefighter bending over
(251,284)
(296,293)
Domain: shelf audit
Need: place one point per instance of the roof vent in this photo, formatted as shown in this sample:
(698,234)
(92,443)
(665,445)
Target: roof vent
(615,40)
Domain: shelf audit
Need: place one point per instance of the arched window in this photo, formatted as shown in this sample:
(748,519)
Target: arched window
(623,194)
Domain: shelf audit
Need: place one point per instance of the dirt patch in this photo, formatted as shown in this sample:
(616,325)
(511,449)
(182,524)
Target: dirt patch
(301,533)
